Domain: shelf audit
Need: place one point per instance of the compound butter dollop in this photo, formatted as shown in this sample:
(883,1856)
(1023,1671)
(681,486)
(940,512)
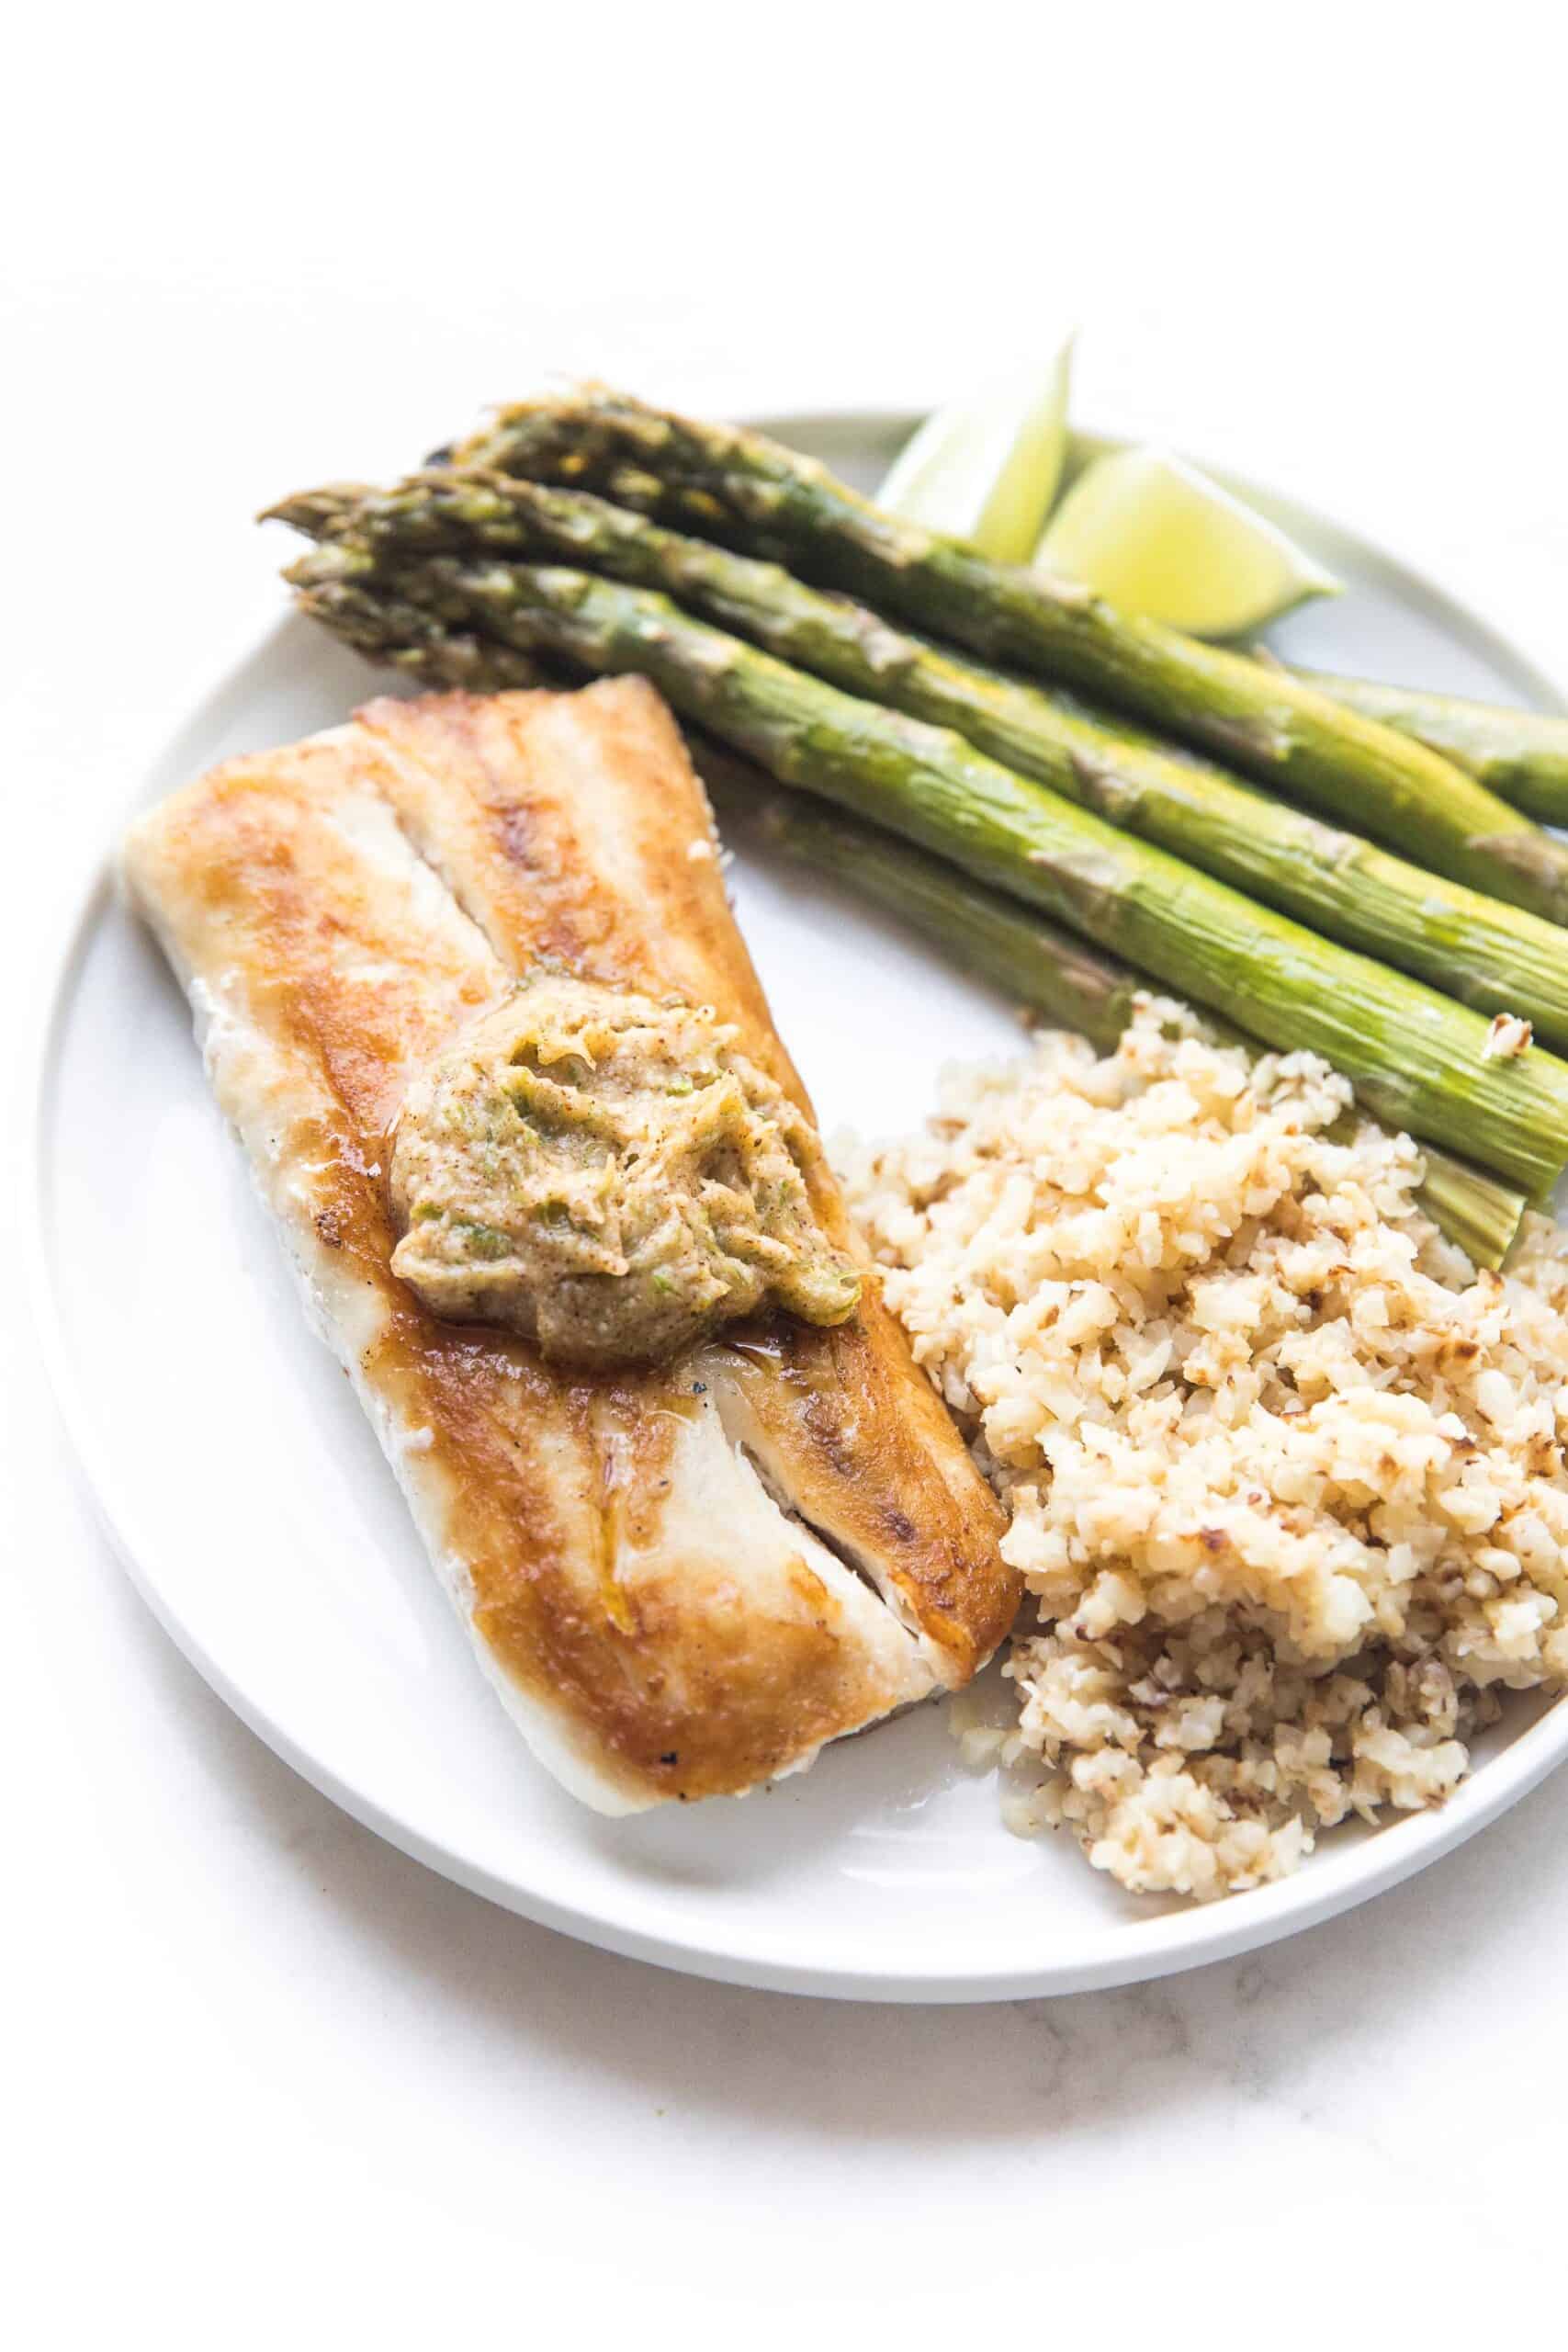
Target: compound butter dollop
(604,1174)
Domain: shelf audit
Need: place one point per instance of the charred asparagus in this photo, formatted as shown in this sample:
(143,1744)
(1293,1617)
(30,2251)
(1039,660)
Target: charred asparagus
(740,487)
(1498,957)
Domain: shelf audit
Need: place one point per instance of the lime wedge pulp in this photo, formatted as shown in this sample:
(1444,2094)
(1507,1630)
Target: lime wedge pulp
(986,468)
(1153,535)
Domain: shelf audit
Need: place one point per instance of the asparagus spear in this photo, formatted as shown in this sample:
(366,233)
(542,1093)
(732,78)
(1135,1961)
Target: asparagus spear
(1522,756)
(1487,953)
(1477,1211)
(375,623)
(1420,1060)
(735,485)
(1017,950)
(1048,971)
(388,628)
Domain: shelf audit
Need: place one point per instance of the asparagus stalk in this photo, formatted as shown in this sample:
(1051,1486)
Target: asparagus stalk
(1498,957)
(374,622)
(1420,1060)
(1478,1212)
(1076,987)
(1014,948)
(388,628)
(738,486)
(1521,755)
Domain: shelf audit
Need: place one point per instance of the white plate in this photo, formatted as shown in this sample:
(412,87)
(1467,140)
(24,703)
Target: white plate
(252,1507)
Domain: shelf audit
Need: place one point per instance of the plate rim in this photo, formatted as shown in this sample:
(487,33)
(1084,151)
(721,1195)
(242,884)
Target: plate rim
(1144,1950)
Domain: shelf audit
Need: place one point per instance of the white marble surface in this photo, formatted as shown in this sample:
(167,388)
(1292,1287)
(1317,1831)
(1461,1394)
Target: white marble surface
(263,2076)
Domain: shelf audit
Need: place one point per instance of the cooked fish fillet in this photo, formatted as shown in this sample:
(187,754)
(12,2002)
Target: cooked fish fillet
(683,1580)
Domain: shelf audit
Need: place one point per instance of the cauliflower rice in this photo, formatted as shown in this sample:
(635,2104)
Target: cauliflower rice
(1286,1475)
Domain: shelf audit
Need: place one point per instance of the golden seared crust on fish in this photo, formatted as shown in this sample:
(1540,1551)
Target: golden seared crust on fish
(681,1580)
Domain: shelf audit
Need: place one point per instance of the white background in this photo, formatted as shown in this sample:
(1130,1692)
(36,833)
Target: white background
(266,2081)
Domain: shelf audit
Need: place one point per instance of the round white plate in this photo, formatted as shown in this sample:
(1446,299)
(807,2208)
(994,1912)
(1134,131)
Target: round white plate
(252,1507)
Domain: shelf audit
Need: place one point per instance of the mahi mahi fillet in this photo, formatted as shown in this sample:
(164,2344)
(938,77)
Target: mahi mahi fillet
(680,1581)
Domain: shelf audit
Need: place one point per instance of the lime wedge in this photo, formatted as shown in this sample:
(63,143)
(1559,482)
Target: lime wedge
(986,468)
(1155,536)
